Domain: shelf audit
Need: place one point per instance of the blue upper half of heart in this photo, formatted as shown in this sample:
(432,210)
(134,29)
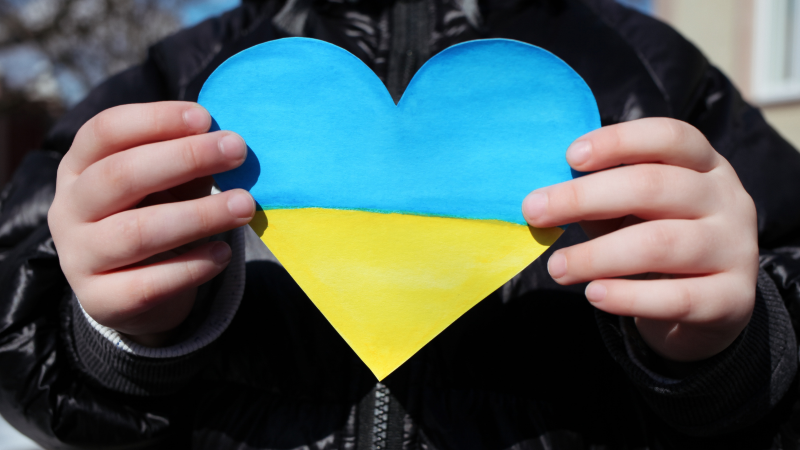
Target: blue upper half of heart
(481,125)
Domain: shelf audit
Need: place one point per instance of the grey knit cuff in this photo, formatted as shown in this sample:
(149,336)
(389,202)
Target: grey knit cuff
(731,390)
(122,365)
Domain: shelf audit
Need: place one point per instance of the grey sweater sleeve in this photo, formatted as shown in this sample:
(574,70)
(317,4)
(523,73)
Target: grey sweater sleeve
(121,365)
(729,391)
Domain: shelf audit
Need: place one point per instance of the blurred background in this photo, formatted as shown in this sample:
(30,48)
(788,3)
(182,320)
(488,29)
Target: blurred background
(755,42)
(52,52)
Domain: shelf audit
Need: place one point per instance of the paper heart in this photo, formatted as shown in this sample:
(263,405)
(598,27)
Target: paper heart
(395,220)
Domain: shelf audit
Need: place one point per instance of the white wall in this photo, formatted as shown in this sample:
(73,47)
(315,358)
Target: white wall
(722,30)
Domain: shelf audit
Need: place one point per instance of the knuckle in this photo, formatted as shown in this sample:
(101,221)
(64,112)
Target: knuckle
(126,231)
(68,261)
(204,214)
(154,114)
(135,296)
(188,155)
(193,273)
(57,230)
(84,137)
(151,289)
(660,243)
(611,144)
(747,205)
(649,181)
(751,252)
(81,135)
(69,265)
(676,130)
(693,144)
(741,248)
(53,218)
(117,172)
(102,127)
(63,168)
(570,197)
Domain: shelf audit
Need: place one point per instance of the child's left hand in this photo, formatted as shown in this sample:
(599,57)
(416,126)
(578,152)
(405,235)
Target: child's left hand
(667,212)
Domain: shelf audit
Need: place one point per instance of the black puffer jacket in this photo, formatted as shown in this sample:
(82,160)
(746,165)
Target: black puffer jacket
(533,366)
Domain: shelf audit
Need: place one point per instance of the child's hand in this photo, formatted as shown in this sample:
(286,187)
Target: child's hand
(666,206)
(132,209)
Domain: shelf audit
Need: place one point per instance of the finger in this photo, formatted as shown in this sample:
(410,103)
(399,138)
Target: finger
(116,298)
(651,140)
(128,126)
(664,246)
(125,178)
(724,297)
(648,191)
(132,236)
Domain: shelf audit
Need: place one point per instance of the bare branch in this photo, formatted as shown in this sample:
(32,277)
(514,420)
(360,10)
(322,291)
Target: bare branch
(90,39)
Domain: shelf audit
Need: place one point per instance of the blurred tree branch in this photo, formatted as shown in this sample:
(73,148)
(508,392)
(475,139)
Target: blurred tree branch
(87,40)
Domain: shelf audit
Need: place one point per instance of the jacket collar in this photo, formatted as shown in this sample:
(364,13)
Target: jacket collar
(292,18)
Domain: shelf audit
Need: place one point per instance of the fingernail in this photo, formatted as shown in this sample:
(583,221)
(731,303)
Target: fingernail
(221,253)
(241,205)
(535,205)
(596,292)
(579,152)
(232,146)
(557,265)
(197,119)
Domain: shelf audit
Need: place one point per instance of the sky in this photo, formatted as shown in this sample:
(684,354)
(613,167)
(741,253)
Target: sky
(197,11)
(645,6)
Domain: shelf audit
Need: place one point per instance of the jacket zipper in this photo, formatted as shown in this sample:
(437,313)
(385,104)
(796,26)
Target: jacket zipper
(380,418)
(408,51)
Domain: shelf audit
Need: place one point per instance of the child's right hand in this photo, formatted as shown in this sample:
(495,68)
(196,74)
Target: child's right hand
(132,212)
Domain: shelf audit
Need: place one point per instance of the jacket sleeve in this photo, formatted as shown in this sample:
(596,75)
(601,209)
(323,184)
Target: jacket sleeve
(742,385)
(67,382)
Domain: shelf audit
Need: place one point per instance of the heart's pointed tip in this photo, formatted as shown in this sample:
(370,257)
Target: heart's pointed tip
(383,368)
(380,375)
(388,282)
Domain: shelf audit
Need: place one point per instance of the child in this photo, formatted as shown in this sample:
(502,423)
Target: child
(173,327)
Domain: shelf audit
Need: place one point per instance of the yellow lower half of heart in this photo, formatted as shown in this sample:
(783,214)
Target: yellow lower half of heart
(389,283)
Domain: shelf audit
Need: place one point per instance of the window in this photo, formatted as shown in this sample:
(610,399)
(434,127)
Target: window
(776,51)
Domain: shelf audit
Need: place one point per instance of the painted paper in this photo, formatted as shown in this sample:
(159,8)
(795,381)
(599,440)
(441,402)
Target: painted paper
(396,219)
